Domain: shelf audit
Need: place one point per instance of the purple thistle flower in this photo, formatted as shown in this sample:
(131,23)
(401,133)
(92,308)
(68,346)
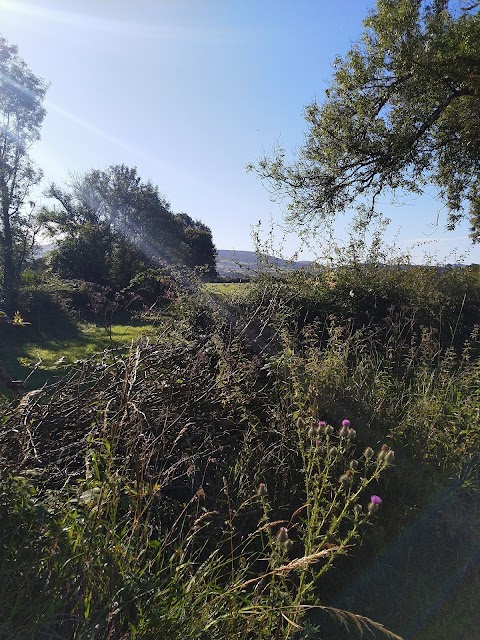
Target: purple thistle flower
(322,424)
(376,500)
(345,423)
(319,443)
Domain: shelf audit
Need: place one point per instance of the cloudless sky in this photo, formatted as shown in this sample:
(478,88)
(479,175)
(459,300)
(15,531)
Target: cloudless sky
(189,92)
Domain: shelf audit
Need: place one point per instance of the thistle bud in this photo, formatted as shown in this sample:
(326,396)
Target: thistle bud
(357,509)
(343,433)
(354,464)
(328,430)
(368,453)
(262,490)
(312,432)
(344,479)
(299,423)
(382,453)
(282,535)
(390,456)
(333,451)
(352,434)
(374,504)
(288,544)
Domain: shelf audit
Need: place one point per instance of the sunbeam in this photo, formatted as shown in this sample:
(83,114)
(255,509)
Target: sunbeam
(137,153)
(172,33)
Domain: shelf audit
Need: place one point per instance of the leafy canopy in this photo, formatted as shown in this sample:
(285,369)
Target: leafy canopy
(403,111)
(113,226)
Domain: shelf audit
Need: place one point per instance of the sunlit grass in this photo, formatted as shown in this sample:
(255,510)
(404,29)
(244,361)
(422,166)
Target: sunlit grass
(227,289)
(44,358)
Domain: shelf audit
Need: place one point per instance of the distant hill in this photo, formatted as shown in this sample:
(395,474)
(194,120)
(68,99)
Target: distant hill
(237,264)
(230,263)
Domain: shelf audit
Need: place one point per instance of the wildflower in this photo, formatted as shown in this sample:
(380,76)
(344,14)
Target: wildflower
(262,490)
(374,504)
(328,430)
(322,424)
(282,535)
(368,453)
(345,423)
(319,444)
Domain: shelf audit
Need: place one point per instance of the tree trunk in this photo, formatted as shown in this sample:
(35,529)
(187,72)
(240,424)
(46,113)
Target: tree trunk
(9,276)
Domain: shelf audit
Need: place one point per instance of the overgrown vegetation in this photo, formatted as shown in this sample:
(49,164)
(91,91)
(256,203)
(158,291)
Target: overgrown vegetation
(280,460)
(191,485)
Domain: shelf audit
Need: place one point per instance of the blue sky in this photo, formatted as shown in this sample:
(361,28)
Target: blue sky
(189,92)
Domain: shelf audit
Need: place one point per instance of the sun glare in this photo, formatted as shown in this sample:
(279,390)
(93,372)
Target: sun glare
(155,31)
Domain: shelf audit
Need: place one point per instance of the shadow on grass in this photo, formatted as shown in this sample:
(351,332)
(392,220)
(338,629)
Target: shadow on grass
(43,355)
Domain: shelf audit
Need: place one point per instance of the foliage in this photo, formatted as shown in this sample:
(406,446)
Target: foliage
(142,523)
(115,226)
(184,487)
(402,111)
(200,250)
(21,116)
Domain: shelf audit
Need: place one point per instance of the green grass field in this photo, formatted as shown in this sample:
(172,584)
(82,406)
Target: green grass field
(226,289)
(41,357)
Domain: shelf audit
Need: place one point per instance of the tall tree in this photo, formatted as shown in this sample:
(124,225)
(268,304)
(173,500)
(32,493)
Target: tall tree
(403,111)
(199,250)
(21,116)
(125,225)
